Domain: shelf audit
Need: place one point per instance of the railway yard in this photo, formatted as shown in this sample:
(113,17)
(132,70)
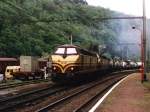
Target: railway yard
(72,79)
(73,56)
(41,96)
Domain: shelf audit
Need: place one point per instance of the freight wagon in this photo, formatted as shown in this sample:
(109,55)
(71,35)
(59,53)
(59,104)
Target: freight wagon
(29,67)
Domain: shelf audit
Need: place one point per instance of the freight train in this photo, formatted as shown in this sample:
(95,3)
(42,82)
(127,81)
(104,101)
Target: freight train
(70,61)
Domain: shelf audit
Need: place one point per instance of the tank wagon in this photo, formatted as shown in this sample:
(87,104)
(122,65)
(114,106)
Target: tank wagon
(69,61)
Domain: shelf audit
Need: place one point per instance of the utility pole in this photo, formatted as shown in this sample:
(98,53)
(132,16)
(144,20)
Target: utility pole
(144,43)
(71,39)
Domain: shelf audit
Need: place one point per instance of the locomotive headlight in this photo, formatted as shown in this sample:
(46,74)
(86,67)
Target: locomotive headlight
(72,68)
(54,68)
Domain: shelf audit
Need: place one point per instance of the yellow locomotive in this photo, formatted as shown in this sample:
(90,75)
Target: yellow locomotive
(72,61)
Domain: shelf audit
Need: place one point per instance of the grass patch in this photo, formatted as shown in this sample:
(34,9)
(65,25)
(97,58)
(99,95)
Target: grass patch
(147,83)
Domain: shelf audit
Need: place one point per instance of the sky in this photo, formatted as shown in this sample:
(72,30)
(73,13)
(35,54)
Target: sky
(133,7)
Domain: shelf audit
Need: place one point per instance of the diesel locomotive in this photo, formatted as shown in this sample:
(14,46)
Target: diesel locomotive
(69,61)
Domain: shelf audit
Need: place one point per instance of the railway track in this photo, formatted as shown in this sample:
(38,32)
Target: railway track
(83,106)
(16,84)
(53,106)
(12,102)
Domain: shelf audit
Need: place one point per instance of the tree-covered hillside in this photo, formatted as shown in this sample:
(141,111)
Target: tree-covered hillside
(35,27)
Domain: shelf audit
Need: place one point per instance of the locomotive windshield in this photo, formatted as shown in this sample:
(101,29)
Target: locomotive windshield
(71,51)
(67,51)
(60,51)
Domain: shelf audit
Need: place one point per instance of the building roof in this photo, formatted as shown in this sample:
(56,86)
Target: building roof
(7,59)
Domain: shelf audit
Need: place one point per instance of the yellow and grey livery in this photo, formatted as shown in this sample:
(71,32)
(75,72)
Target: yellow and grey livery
(69,60)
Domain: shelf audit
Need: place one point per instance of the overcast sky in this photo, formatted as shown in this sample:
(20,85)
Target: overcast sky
(133,7)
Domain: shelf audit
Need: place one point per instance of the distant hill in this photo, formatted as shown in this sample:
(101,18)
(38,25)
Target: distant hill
(35,27)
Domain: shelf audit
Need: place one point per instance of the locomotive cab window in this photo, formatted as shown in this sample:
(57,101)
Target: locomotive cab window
(60,51)
(71,51)
(66,51)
